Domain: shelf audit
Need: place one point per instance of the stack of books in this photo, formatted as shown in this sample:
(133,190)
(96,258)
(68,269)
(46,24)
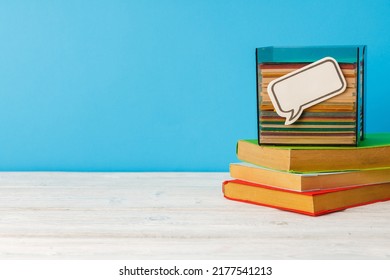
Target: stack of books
(312,180)
(330,122)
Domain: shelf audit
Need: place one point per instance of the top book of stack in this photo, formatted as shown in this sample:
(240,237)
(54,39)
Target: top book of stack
(336,121)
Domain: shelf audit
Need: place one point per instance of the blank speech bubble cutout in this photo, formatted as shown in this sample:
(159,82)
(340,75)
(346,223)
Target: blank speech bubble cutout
(305,87)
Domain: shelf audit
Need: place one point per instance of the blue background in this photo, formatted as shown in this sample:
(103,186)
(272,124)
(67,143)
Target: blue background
(158,85)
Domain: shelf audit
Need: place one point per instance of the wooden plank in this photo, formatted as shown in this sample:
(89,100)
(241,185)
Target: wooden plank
(170,216)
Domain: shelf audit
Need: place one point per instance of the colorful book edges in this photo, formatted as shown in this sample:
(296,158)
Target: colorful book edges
(313,203)
(336,121)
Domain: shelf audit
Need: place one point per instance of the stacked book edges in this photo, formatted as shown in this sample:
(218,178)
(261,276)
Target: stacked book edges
(333,121)
(311,180)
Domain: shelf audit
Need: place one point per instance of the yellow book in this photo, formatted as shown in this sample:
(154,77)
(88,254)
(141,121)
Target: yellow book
(307,181)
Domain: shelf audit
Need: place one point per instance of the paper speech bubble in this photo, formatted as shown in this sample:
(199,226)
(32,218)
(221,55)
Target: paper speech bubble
(305,87)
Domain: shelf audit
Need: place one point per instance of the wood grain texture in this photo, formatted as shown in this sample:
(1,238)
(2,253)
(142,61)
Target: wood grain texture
(170,216)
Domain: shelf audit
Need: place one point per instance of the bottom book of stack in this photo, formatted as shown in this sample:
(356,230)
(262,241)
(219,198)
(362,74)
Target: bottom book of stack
(313,203)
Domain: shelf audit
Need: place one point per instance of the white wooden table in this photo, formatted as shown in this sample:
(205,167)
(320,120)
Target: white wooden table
(170,216)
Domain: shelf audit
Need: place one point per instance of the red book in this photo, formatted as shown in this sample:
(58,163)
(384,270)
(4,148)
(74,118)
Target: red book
(313,203)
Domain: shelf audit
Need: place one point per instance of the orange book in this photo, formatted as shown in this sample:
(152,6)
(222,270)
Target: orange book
(303,182)
(313,203)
